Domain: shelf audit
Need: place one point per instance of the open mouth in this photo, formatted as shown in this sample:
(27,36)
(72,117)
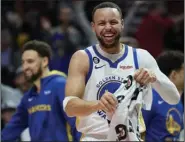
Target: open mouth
(109,37)
(28,73)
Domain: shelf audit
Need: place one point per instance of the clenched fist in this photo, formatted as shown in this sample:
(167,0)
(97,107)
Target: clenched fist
(144,76)
(108,102)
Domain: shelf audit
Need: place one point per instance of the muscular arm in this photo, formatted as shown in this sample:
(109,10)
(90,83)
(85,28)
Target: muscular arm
(78,69)
(163,85)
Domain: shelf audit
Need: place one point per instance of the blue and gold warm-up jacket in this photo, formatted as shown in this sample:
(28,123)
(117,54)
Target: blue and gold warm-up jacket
(164,122)
(43,113)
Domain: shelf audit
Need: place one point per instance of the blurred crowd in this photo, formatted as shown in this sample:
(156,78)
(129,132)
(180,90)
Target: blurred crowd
(65,25)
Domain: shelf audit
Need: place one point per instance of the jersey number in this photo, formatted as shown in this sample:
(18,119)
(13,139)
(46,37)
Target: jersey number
(121,131)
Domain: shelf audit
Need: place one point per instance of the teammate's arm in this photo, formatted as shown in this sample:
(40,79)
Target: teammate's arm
(78,69)
(162,85)
(17,124)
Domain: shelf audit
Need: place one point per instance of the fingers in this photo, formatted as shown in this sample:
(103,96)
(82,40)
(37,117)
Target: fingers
(107,106)
(103,107)
(146,81)
(153,77)
(143,76)
(112,100)
(150,79)
(108,102)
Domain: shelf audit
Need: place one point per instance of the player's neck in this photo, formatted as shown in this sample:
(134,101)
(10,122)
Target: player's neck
(37,82)
(180,91)
(180,88)
(114,50)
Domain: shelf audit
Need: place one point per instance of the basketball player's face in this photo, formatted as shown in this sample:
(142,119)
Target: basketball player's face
(32,65)
(108,26)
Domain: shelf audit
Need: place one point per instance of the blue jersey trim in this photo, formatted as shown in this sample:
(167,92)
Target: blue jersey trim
(135,58)
(112,65)
(90,65)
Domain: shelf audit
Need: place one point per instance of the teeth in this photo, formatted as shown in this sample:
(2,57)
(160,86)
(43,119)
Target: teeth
(108,35)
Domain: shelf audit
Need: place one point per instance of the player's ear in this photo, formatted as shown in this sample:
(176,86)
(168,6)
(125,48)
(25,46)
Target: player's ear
(45,62)
(92,25)
(122,23)
(172,75)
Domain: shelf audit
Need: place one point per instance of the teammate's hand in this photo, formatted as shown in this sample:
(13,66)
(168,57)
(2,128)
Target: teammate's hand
(144,76)
(107,102)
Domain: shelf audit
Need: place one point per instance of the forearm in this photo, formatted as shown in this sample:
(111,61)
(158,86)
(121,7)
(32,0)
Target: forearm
(166,88)
(16,125)
(77,107)
(163,85)
(12,131)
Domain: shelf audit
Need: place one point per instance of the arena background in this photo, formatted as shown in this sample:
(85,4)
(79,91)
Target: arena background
(24,20)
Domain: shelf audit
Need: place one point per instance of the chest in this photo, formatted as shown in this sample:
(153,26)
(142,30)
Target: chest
(42,102)
(172,116)
(103,67)
(108,75)
(170,112)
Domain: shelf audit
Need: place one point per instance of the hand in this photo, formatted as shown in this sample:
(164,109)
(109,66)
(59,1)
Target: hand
(108,103)
(144,76)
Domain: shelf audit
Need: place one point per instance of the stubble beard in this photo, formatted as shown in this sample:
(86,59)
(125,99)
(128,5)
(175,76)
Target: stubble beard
(108,46)
(35,76)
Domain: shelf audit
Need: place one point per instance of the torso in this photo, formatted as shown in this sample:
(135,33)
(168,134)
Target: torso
(104,75)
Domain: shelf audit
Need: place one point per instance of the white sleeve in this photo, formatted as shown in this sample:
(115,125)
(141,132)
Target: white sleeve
(25,135)
(163,85)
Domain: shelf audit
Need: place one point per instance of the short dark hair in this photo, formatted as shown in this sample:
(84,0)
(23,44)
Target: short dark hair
(42,48)
(106,5)
(170,60)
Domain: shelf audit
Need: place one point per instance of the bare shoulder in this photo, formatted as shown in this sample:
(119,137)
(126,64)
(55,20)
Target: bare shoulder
(79,61)
(78,69)
(80,54)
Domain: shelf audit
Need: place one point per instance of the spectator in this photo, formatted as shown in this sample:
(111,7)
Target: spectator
(20,81)
(9,57)
(66,39)
(10,99)
(150,34)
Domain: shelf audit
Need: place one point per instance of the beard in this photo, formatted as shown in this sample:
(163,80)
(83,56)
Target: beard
(34,76)
(113,44)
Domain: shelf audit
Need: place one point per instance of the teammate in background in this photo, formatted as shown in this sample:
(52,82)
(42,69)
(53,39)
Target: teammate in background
(41,108)
(97,72)
(164,122)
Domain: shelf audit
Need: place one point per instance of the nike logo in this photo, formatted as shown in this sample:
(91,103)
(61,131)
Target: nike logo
(97,67)
(47,92)
(160,102)
(30,99)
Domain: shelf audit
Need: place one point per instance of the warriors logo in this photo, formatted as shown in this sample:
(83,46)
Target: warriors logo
(173,121)
(111,84)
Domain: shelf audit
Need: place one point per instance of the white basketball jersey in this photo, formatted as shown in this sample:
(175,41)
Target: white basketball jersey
(124,122)
(104,75)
